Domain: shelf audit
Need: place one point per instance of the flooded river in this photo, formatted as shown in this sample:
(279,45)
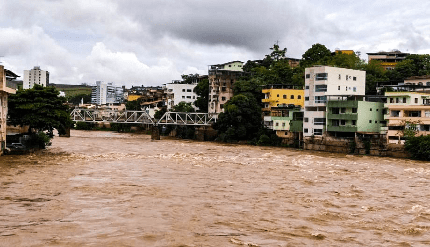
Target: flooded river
(111,189)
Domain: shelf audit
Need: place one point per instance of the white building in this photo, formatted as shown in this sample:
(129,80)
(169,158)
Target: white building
(323,81)
(177,93)
(35,76)
(106,93)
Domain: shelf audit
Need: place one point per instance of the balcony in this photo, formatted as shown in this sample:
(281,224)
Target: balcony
(344,128)
(343,116)
(342,103)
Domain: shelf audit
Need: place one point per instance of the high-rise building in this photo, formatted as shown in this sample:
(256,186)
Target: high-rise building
(105,93)
(35,76)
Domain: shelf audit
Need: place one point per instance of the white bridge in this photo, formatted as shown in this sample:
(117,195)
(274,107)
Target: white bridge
(142,117)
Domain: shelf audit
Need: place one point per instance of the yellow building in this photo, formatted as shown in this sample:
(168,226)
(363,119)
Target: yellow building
(279,95)
(133,97)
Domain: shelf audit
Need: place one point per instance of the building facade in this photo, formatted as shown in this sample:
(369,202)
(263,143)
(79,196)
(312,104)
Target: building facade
(221,80)
(106,93)
(407,110)
(5,90)
(179,92)
(388,59)
(323,81)
(35,76)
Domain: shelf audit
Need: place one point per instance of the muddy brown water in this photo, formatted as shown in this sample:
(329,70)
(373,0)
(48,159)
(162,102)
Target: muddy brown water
(111,189)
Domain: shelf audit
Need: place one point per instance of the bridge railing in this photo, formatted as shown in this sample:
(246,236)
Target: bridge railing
(187,118)
(171,118)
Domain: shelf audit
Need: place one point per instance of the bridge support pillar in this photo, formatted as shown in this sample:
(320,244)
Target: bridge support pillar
(67,134)
(155,133)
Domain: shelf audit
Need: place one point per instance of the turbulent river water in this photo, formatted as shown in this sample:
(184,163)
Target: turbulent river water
(111,189)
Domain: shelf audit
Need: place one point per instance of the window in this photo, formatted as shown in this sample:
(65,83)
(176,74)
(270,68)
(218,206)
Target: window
(343,110)
(285,96)
(221,106)
(346,77)
(321,77)
(223,89)
(335,110)
(283,124)
(308,76)
(370,109)
(354,110)
(397,100)
(370,121)
(415,114)
(376,122)
(277,95)
(292,97)
(223,98)
(319,121)
(354,89)
(320,88)
(338,87)
(354,78)
(346,88)
(188,97)
(305,130)
(320,99)
(394,113)
(307,119)
(299,97)
(391,100)
(194,97)
(184,97)
(183,90)
(404,100)
(317,132)
(307,98)
(416,100)
(342,122)
(188,90)
(335,122)
(340,77)
(354,122)
(307,87)
(427,113)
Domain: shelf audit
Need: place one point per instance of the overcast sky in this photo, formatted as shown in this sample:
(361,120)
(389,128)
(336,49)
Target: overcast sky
(152,42)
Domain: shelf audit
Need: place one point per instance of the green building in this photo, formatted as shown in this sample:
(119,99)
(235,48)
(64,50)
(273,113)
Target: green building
(347,115)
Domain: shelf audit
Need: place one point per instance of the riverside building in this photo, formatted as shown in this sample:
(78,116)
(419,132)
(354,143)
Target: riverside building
(35,76)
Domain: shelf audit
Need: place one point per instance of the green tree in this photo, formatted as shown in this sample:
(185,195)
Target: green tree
(133,105)
(183,107)
(76,99)
(316,54)
(202,91)
(241,119)
(413,65)
(418,147)
(41,109)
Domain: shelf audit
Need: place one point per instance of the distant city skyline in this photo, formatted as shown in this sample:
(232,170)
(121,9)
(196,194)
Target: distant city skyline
(153,42)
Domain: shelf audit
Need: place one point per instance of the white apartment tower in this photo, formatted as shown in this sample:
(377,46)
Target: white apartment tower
(106,93)
(177,93)
(35,76)
(323,81)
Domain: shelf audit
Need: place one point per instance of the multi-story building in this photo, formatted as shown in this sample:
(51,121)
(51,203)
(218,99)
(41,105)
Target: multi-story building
(407,110)
(105,93)
(388,59)
(35,76)
(6,88)
(281,104)
(323,81)
(423,80)
(221,80)
(179,92)
(347,115)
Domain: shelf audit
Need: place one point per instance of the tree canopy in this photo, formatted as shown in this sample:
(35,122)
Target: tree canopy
(41,108)
(202,91)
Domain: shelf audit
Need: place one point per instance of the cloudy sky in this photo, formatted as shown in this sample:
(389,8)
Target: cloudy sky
(152,42)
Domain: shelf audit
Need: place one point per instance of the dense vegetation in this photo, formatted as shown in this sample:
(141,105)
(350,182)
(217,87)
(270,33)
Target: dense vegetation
(418,147)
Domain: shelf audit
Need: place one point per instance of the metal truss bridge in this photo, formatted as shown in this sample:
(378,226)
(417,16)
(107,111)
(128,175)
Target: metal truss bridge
(142,117)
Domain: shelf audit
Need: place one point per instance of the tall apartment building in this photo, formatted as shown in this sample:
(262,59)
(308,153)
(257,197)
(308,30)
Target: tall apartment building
(388,59)
(5,89)
(179,92)
(106,93)
(221,80)
(35,76)
(323,81)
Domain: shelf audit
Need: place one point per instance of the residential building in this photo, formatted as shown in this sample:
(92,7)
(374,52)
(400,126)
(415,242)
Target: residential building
(106,93)
(407,110)
(221,80)
(348,115)
(423,80)
(6,88)
(179,92)
(35,76)
(280,102)
(323,81)
(388,59)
